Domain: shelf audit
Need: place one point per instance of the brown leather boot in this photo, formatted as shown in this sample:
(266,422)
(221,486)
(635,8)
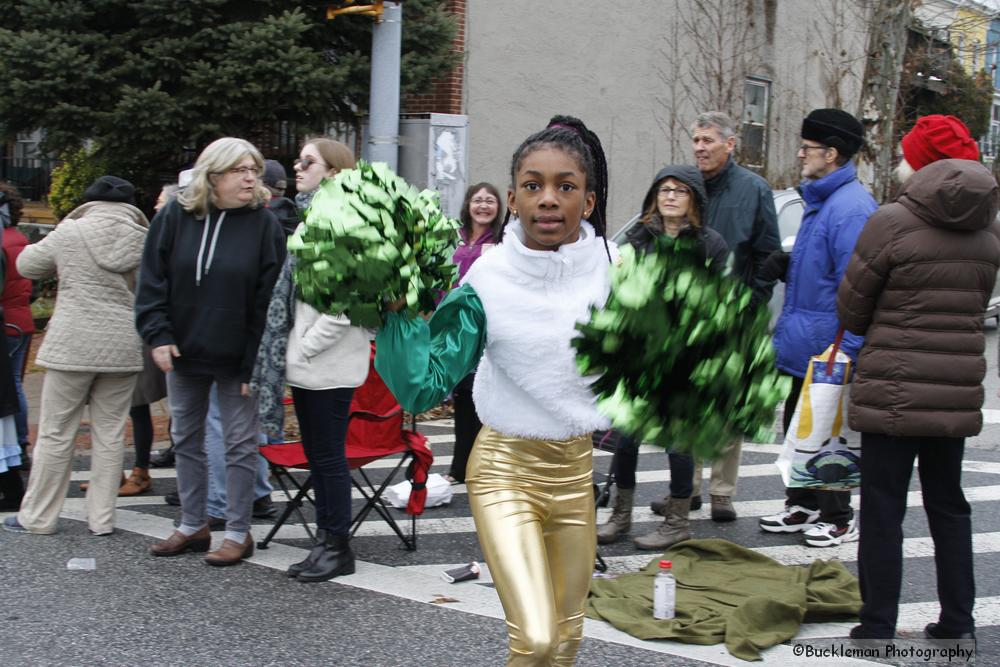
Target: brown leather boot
(138,482)
(178,543)
(675,528)
(230,553)
(620,521)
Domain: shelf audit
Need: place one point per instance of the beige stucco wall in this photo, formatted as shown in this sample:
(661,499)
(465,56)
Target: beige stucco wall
(622,66)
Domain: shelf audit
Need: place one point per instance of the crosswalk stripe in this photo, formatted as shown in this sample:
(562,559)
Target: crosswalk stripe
(914,547)
(747,470)
(439,526)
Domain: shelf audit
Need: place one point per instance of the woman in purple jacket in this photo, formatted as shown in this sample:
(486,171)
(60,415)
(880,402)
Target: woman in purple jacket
(481,218)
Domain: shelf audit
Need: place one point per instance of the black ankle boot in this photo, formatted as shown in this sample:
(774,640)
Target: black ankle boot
(163,458)
(318,548)
(12,490)
(335,559)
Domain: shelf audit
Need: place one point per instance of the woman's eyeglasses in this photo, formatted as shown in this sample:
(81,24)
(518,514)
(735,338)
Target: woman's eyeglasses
(244,171)
(680,193)
(305,162)
(484,201)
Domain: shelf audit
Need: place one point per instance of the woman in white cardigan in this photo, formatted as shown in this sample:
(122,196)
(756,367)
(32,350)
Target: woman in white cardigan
(325,358)
(91,350)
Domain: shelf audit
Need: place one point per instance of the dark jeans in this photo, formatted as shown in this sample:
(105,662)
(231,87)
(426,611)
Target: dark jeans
(323,418)
(886,467)
(467,426)
(16,364)
(142,433)
(834,506)
(627,459)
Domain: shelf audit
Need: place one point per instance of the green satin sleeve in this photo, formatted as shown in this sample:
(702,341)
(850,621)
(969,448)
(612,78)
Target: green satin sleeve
(422,361)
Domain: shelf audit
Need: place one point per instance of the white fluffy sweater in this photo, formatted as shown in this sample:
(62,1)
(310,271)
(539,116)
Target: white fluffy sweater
(527,384)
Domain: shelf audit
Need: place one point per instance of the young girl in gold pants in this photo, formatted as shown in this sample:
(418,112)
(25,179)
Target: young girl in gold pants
(529,476)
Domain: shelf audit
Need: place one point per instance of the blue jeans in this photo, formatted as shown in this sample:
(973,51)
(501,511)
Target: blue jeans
(16,363)
(215,450)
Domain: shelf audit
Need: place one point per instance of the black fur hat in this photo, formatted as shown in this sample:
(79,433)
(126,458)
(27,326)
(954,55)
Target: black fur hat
(835,128)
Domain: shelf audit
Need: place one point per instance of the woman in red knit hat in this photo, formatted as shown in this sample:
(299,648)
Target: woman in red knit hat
(916,288)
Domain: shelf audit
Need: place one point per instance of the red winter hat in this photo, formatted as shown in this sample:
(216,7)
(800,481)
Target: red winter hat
(938,137)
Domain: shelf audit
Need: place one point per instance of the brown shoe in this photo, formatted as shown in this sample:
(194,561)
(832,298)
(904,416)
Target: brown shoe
(178,543)
(86,485)
(230,553)
(138,482)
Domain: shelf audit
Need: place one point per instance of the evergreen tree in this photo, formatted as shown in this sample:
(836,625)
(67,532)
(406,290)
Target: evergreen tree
(147,79)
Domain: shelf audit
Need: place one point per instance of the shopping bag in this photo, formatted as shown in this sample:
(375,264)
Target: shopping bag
(438,492)
(820,451)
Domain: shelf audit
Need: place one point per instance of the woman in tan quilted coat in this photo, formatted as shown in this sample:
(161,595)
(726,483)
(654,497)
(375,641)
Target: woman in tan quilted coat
(91,351)
(917,288)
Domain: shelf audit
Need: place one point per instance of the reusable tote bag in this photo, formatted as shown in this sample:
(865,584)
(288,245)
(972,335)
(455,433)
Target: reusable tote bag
(820,451)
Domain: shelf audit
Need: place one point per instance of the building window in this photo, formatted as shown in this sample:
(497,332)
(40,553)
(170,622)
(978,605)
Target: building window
(753,147)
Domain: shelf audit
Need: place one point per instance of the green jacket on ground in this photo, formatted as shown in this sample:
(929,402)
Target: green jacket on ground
(728,593)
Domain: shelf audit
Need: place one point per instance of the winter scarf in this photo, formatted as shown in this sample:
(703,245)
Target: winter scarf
(268,380)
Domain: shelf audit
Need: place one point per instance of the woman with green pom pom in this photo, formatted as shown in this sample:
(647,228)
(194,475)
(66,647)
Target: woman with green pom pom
(530,473)
(674,208)
(323,358)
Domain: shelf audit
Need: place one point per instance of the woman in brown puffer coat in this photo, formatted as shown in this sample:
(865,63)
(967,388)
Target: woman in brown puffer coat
(916,288)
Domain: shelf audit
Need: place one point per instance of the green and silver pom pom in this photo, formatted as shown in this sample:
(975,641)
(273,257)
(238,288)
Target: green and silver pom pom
(370,237)
(683,360)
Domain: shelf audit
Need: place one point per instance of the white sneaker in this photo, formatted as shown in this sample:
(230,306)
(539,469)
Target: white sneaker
(829,535)
(792,519)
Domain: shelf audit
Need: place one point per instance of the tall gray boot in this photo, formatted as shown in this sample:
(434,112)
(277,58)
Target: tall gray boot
(675,528)
(621,517)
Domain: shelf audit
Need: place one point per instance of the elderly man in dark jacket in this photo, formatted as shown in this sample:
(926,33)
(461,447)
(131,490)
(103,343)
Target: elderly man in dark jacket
(917,287)
(741,209)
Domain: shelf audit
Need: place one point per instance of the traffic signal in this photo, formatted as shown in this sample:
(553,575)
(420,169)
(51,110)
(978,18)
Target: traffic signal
(335,9)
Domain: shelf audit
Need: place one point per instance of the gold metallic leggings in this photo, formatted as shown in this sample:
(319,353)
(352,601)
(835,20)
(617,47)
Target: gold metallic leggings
(533,502)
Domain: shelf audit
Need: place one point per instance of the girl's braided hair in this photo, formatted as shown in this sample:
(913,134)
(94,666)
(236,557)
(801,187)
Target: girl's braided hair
(578,140)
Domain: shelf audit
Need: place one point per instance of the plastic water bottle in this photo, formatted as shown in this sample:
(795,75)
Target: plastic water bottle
(664,592)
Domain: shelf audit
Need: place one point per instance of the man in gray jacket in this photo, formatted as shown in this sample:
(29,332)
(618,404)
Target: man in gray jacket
(741,208)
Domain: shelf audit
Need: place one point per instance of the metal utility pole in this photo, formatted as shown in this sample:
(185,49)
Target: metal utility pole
(383,103)
(383,100)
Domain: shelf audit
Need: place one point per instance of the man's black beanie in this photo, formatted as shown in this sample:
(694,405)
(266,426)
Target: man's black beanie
(836,128)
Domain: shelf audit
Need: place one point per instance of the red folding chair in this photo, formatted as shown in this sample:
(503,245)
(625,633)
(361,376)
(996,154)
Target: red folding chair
(375,431)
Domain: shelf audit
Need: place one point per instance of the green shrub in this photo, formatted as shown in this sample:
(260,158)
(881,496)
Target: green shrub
(78,169)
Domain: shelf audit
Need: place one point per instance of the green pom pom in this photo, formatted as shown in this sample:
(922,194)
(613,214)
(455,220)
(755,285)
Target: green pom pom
(370,237)
(682,360)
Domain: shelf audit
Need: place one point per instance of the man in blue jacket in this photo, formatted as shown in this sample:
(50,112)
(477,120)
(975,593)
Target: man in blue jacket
(837,207)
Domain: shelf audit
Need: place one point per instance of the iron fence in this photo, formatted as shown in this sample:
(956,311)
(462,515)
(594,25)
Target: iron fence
(31,176)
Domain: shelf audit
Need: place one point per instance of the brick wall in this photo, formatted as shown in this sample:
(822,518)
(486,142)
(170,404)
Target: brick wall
(445,95)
